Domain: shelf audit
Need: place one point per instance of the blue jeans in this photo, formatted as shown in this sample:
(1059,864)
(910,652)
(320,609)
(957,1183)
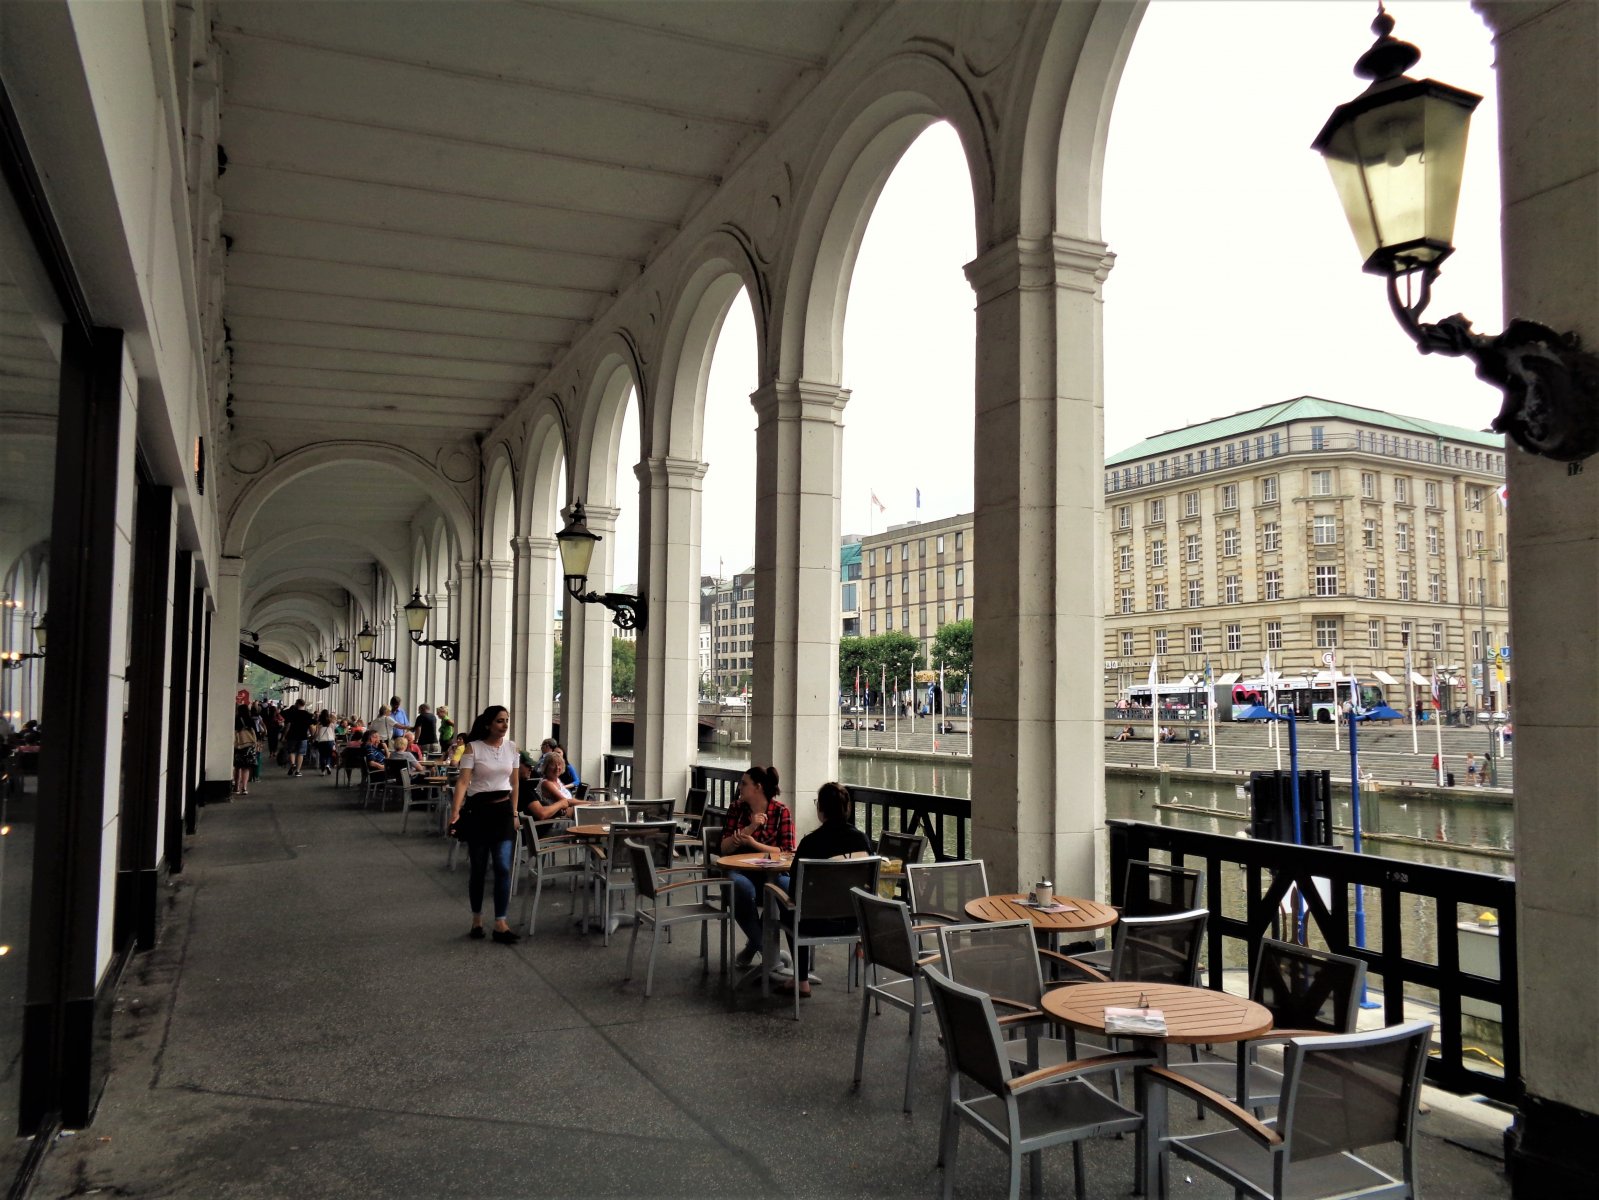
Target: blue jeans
(478,854)
(747,901)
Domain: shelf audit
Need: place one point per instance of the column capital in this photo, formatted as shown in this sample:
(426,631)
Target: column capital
(800,400)
(667,471)
(602,515)
(452,586)
(1031,264)
(230,564)
(526,546)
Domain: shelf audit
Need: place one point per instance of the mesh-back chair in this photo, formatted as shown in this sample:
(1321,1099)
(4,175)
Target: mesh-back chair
(898,851)
(1163,949)
(1153,890)
(939,891)
(1308,992)
(715,814)
(598,814)
(610,875)
(352,765)
(1002,959)
(1023,1115)
(651,904)
(651,810)
(547,857)
(893,972)
(817,908)
(693,810)
(429,797)
(613,783)
(1341,1094)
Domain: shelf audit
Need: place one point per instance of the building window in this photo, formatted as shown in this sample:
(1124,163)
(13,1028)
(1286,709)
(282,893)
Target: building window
(1268,489)
(1124,560)
(888,587)
(960,612)
(1368,534)
(940,543)
(1190,504)
(1229,542)
(1127,520)
(871,623)
(1157,553)
(941,574)
(1196,593)
(1235,638)
(1321,483)
(1504,594)
(1158,597)
(888,619)
(1374,635)
(1471,589)
(904,618)
(1276,444)
(1402,537)
(1432,493)
(921,581)
(1229,496)
(1326,633)
(904,586)
(1404,585)
(871,590)
(1432,539)
(1274,585)
(1196,640)
(1326,581)
(921,548)
(1274,635)
(1127,644)
(849,597)
(1127,600)
(1324,530)
(921,617)
(1271,536)
(1435,588)
(1401,490)
(941,616)
(960,576)
(1473,498)
(1437,635)
(1318,437)
(1371,583)
(1191,548)
(871,558)
(1233,589)
(1368,485)
(1157,512)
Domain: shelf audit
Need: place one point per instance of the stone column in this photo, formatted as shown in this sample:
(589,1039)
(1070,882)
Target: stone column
(586,690)
(223,677)
(1549,147)
(465,612)
(536,635)
(521,728)
(799,443)
(496,581)
(666,720)
(1039,741)
(448,623)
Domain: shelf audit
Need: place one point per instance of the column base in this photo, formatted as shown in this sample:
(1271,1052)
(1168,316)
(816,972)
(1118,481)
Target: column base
(1539,1149)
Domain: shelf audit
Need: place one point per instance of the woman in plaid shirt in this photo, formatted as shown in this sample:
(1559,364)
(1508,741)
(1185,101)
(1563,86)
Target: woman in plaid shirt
(760,823)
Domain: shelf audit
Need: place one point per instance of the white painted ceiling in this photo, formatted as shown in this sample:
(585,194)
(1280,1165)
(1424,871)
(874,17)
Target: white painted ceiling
(428,201)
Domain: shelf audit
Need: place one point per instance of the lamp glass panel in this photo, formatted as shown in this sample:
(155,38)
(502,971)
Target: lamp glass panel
(39,635)
(341,656)
(365,641)
(576,554)
(416,616)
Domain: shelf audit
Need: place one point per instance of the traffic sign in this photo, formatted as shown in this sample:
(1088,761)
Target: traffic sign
(1329,658)
(1504,653)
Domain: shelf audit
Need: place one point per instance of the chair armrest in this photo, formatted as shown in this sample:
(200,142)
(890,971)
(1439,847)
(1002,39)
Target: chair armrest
(1076,965)
(935,919)
(1082,1066)
(1283,1035)
(779,895)
(1245,1122)
(701,882)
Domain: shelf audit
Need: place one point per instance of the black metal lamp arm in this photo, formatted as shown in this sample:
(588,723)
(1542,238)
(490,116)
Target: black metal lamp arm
(448,648)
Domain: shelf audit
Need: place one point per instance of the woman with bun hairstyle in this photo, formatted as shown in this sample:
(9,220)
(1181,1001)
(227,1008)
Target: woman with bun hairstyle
(760,823)
(835,837)
(484,815)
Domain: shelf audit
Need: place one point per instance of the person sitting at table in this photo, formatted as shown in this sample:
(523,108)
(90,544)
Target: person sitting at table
(457,749)
(551,800)
(760,823)
(376,752)
(835,837)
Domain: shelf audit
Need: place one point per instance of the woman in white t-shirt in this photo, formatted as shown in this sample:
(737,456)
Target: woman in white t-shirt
(484,815)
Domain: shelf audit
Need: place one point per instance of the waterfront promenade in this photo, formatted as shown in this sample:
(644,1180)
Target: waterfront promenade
(313,1023)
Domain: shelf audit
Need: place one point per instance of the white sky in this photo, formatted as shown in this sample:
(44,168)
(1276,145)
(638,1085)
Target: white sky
(1236,283)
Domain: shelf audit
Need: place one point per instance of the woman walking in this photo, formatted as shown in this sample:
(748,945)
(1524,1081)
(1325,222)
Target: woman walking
(324,735)
(244,754)
(484,815)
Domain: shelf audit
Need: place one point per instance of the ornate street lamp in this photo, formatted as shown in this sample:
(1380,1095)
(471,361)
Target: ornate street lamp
(416,623)
(12,660)
(1396,153)
(366,642)
(577,542)
(342,656)
(321,665)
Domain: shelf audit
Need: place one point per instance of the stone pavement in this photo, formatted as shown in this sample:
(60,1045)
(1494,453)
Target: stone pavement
(314,1023)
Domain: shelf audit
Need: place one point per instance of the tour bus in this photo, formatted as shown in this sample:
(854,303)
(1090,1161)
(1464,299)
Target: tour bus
(1319,697)
(1179,698)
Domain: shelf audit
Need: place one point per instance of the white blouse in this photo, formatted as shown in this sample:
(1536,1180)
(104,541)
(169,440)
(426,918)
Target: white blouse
(491,766)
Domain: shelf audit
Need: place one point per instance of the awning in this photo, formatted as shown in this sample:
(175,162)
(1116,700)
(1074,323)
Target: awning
(278,666)
(1229,679)
(1420,680)
(1384,677)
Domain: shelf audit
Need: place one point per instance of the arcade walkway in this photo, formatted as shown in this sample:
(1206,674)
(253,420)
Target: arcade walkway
(314,1023)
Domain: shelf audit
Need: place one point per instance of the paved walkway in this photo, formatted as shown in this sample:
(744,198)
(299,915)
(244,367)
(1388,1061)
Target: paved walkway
(314,1023)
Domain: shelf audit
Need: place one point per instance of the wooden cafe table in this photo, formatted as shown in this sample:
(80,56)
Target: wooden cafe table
(761,864)
(1076,917)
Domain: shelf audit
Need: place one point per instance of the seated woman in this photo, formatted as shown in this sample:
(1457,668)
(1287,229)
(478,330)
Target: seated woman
(759,823)
(836,837)
(550,800)
(1126,735)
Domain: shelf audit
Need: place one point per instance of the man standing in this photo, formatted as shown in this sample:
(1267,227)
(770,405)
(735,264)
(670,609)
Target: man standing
(402,723)
(427,730)
(296,733)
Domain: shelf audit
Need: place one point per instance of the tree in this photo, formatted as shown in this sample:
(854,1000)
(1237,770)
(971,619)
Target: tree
(555,685)
(953,648)
(897,652)
(624,660)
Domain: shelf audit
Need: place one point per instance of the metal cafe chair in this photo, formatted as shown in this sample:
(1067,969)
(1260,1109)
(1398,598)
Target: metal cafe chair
(939,891)
(892,973)
(1023,1115)
(546,857)
(1341,1094)
(660,914)
(1153,890)
(820,894)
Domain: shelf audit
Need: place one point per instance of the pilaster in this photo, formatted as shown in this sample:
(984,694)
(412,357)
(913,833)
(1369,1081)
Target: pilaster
(533,657)
(586,659)
(223,671)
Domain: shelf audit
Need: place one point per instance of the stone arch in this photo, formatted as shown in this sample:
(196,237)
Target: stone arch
(859,152)
(499,503)
(544,460)
(596,452)
(289,579)
(722,266)
(350,535)
(296,464)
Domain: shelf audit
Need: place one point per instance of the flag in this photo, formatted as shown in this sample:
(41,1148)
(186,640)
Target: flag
(1154,679)
(1504,497)
(918,499)
(1437,692)
(857,684)
(1271,680)
(966,694)
(881,507)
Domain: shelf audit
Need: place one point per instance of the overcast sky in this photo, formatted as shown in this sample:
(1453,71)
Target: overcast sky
(1236,283)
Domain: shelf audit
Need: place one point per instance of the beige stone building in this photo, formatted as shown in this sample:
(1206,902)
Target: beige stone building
(1307,528)
(917,578)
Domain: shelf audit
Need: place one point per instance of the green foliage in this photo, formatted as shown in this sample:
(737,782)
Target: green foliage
(624,664)
(953,648)
(892,650)
(555,685)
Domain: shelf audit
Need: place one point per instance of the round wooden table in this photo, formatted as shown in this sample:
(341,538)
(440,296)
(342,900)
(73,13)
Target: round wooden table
(591,832)
(1079,916)
(773,864)
(1193,1015)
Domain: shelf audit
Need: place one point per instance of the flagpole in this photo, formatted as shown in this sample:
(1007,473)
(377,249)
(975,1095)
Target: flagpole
(971,723)
(938,718)
(1154,707)
(885,704)
(1438,729)
(1410,700)
(1210,713)
(896,711)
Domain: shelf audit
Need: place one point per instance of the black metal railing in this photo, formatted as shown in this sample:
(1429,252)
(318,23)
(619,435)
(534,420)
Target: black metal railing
(1325,879)
(945,820)
(720,784)
(624,764)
